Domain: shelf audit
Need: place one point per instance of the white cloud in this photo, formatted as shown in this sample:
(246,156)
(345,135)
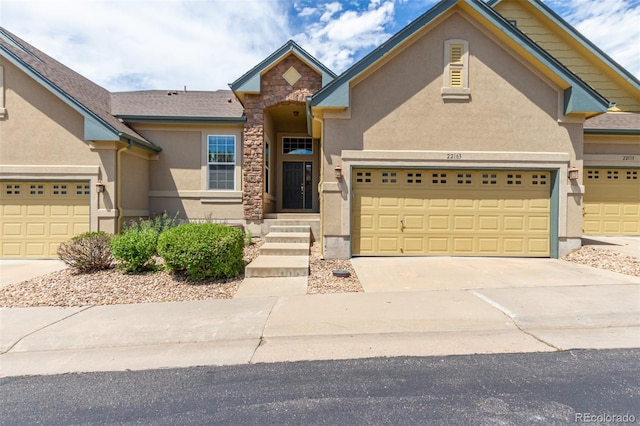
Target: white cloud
(205,44)
(612,25)
(156,44)
(336,42)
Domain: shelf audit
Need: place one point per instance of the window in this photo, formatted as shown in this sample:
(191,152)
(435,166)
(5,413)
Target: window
(266,167)
(222,161)
(299,146)
(456,70)
(3,110)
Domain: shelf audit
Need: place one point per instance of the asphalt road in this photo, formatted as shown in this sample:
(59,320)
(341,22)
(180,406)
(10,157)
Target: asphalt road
(540,388)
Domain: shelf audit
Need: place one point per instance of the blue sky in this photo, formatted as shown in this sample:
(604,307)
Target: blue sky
(206,44)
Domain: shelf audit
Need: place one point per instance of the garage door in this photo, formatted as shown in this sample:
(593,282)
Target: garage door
(612,201)
(38,216)
(451,212)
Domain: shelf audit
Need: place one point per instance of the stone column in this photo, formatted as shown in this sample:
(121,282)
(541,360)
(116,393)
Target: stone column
(252,161)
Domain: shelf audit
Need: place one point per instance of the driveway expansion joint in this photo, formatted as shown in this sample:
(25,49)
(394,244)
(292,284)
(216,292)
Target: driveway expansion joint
(44,327)
(507,313)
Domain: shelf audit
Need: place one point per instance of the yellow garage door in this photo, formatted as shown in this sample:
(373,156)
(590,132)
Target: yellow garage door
(451,212)
(611,201)
(38,216)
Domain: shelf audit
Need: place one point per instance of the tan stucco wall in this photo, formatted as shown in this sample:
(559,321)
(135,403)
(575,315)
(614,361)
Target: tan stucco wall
(135,185)
(178,177)
(42,138)
(512,109)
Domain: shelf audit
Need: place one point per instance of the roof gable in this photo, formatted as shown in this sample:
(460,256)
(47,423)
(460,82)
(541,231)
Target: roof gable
(590,55)
(579,97)
(250,81)
(87,98)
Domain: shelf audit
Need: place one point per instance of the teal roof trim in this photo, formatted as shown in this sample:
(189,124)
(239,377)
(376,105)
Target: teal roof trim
(336,93)
(182,119)
(95,128)
(250,81)
(558,20)
(621,132)
(581,97)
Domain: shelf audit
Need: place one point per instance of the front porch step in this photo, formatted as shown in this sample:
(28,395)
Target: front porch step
(278,266)
(291,228)
(288,237)
(310,220)
(284,249)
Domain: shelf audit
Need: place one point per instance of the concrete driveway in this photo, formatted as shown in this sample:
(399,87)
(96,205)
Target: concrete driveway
(16,271)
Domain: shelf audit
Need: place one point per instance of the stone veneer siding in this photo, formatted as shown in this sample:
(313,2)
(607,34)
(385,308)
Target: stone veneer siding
(275,91)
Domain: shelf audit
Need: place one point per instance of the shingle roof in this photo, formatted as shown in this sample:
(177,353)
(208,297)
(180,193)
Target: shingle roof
(162,103)
(92,97)
(614,121)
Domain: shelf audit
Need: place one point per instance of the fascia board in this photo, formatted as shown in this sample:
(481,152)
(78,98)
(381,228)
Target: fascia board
(585,42)
(578,97)
(181,119)
(94,125)
(612,132)
(250,81)
(340,85)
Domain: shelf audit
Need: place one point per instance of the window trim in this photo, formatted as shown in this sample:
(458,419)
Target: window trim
(449,92)
(225,163)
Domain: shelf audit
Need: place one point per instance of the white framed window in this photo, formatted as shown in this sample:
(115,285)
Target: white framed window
(456,70)
(266,167)
(297,145)
(221,161)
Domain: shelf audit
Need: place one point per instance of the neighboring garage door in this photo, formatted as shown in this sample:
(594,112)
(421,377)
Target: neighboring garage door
(612,201)
(38,216)
(451,212)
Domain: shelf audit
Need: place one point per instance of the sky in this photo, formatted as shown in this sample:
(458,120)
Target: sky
(126,45)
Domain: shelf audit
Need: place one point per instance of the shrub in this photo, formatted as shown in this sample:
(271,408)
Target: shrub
(203,250)
(158,224)
(87,252)
(135,249)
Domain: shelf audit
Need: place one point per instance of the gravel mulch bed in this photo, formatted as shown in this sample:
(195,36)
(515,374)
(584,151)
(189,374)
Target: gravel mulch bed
(605,259)
(67,288)
(322,280)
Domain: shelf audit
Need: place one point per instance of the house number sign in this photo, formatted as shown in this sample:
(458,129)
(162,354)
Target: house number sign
(454,156)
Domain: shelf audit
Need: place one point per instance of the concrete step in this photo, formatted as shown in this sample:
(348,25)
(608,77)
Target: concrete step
(278,266)
(284,249)
(313,222)
(290,228)
(288,237)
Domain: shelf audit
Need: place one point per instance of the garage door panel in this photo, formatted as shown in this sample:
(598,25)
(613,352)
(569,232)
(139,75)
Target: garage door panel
(38,216)
(611,201)
(468,213)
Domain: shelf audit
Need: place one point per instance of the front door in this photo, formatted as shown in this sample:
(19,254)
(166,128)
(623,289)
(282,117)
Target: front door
(296,185)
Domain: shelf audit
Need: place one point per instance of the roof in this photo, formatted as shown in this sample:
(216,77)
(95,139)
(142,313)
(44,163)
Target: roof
(614,123)
(182,106)
(88,98)
(250,81)
(568,28)
(579,96)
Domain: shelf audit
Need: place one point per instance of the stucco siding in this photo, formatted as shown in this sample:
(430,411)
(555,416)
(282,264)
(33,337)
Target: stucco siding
(513,114)
(178,180)
(135,185)
(39,128)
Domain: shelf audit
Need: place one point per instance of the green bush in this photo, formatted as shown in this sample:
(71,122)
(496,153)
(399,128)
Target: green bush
(87,252)
(203,250)
(134,250)
(158,224)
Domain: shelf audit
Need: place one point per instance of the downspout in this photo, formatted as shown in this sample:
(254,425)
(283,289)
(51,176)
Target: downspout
(119,185)
(310,119)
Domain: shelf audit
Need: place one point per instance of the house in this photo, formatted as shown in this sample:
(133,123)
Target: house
(480,129)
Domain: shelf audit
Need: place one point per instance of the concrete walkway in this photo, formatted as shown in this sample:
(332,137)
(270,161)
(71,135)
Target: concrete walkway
(420,306)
